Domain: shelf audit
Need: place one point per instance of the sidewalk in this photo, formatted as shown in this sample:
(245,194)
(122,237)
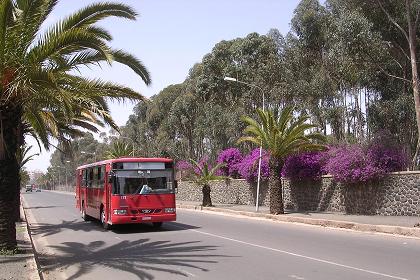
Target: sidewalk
(20,266)
(401,225)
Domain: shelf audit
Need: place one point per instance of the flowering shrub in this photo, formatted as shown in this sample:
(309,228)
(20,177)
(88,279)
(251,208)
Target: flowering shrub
(204,160)
(184,169)
(248,168)
(183,165)
(231,158)
(351,164)
(387,153)
(188,170)
(306,165)
(389,159)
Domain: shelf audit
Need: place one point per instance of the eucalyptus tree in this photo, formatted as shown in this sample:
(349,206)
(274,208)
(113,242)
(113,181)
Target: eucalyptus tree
(182,118)
(40,88)
(281,136)
(396,24)
(405,20)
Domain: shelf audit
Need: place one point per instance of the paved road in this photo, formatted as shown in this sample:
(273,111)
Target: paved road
(210,246)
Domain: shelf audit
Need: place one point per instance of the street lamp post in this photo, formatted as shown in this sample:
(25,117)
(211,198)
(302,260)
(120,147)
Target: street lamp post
(67,161)
(230,79)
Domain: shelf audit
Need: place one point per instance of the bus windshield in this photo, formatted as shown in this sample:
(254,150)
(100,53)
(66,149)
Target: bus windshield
(143,181)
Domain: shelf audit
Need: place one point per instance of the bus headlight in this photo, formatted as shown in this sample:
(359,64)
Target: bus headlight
(120,212)
(169,210)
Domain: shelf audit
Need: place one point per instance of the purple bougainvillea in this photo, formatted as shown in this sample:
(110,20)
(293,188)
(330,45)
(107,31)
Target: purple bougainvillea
(306,165)
(248,168)
(183,165)
(231,158)
(354,163)
(387,153)
(350,164)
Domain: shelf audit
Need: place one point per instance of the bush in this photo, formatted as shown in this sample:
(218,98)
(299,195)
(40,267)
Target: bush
(184,169)
(387,153)
(248,168)
(183,165)
(306,165)
(354,163)
(231,158)
(351,164)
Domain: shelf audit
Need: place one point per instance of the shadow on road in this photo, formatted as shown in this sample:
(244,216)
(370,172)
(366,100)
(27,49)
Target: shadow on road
(141,257)
(139,228)
(42,207)
(44,229)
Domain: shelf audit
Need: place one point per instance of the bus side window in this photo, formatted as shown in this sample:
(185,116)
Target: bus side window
(83,181)
(95,177)
(101,176)
(90,177)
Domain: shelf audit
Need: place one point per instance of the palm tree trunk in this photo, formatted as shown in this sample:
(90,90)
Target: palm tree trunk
(206,196)
(10,121)
(275,187)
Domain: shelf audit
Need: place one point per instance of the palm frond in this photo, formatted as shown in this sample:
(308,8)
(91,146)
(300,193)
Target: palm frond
(281,136)
(132,62)
(96,12)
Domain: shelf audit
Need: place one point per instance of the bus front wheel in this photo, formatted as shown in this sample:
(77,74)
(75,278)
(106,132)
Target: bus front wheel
(105,224)
(83,213)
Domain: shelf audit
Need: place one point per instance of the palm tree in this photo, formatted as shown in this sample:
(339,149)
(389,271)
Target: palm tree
(119,149)
(281,136)
(203,174)
(41,92)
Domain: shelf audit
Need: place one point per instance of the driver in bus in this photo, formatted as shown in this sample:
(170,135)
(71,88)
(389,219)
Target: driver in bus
(130,186)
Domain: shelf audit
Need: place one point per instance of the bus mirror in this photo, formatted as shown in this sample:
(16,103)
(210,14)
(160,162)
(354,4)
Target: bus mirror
(111,176)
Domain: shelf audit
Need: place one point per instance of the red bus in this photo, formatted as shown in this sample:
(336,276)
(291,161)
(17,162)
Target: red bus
(127,191)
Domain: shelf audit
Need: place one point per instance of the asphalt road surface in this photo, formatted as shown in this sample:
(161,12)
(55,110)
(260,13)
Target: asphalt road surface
(209,246)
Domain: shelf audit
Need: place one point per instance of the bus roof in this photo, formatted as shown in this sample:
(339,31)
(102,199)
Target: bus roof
(130,159)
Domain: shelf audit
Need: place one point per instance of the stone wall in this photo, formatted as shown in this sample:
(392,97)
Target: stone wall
(236,191)
(397,194)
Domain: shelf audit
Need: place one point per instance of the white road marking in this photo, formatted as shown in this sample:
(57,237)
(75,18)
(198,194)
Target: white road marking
(296,277)
(293,254)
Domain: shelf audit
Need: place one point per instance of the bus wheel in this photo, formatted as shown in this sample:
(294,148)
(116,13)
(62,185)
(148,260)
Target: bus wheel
(83,212)
(157,224)
(105,225)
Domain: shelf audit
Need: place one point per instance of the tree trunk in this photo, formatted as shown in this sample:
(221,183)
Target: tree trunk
(10,121)
(206,196)
(415,77)
(275,187)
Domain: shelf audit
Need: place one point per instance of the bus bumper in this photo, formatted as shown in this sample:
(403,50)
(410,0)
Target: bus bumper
(137,219)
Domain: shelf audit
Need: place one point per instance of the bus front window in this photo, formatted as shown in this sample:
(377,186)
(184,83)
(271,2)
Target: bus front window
(142,182)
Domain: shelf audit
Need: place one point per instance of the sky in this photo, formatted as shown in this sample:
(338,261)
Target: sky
(169,37)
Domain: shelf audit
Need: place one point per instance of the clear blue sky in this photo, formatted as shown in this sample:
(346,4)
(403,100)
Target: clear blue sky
(170,36)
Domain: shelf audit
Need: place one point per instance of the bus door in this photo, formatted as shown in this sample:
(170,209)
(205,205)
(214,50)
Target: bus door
(78,187)
(108,191)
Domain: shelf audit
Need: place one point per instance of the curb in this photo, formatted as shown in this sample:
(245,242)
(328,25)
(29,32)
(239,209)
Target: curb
(32,261)
(395,230)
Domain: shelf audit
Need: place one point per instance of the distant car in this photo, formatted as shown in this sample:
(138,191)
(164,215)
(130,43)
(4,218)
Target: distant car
(38,190)
(28,188)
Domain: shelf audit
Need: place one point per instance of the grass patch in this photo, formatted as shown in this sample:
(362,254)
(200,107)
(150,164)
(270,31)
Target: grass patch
(20,229)
(9,252)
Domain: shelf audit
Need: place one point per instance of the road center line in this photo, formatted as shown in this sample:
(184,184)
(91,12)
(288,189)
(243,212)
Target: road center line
(293,254)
